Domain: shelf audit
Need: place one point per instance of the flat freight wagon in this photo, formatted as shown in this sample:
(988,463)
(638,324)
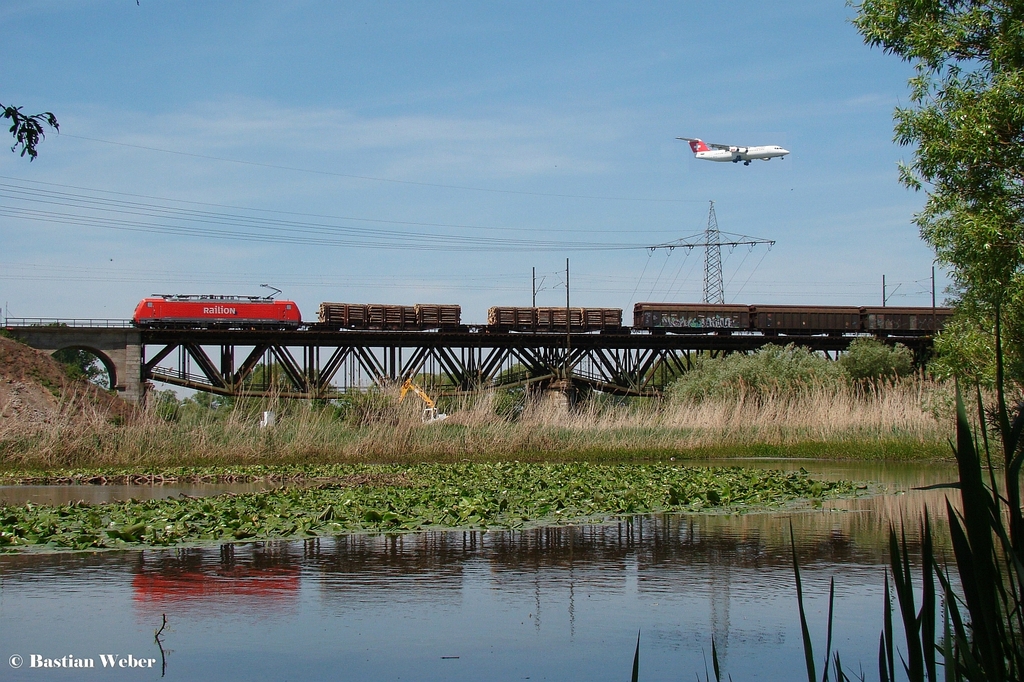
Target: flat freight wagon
(553,319)
(381,316)
(434,316)
(509,317)
(343,316)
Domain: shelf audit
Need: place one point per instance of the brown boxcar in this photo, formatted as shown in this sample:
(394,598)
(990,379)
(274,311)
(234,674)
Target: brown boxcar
(691,317)
(806,319)
(908,321)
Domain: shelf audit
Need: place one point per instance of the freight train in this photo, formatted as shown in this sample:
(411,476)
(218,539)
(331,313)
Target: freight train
(241,312)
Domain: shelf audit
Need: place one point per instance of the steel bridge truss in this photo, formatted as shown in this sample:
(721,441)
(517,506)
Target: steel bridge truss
(318,364)
(326,365)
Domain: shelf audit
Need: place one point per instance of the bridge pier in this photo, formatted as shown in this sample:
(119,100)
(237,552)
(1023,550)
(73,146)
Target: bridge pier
(565,392)
(120,351)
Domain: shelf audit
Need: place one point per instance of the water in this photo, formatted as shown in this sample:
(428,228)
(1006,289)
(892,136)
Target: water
(547,604)
(96,494)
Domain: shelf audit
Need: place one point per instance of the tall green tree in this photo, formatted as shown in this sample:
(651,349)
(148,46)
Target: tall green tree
(965,121)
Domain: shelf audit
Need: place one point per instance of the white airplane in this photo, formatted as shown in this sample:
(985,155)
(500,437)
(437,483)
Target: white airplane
(724,152)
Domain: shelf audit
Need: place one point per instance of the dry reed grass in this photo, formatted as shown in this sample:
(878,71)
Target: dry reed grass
(912,414)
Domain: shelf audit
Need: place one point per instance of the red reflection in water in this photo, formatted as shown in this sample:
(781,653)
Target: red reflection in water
(263,587)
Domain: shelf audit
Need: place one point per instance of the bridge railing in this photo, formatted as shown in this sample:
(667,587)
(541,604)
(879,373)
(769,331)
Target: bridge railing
(66,322)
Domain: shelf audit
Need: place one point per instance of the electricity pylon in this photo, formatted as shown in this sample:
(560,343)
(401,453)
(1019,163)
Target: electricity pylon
(714,286)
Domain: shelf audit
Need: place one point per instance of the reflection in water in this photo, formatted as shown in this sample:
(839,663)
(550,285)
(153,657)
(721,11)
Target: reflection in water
(560,602)
(99,494)
(184,579)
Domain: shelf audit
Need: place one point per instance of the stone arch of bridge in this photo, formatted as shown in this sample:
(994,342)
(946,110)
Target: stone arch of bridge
(119,350)
(105,360)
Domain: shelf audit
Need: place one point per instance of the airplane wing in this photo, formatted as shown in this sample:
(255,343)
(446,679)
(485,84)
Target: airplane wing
(712,145)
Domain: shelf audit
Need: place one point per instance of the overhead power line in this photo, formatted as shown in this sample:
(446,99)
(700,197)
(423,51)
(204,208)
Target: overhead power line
(352,176)
(231,207)
(593,283)
(81,208)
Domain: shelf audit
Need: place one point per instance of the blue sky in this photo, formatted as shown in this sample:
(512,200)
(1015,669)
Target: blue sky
(435,152)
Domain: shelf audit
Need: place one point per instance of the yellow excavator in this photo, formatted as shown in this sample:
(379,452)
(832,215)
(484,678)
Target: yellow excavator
(430,413)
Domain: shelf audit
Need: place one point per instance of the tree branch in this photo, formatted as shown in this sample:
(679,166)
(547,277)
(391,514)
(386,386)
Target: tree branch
(27,129)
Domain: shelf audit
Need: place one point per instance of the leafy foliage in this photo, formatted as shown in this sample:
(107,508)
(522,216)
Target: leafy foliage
(871,360)
(81,364)
(204,406)
(510,403)
(358,408)
(770,370)
(28,129)
(965,350)
(165,404)
(966,123)
(363,498)
(269,377)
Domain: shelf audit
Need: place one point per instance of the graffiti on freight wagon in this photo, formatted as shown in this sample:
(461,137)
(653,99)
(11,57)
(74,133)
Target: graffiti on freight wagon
(687,320)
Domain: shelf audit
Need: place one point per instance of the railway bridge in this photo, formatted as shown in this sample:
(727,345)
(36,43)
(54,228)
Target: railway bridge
(316,363)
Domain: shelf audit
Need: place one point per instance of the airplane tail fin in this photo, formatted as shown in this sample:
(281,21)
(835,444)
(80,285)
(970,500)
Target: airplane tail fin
(698,146)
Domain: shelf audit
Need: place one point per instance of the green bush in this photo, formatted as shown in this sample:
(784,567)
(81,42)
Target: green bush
(509,403)
(165,404)
(871,360)
(205,407)
(82,365)
(357,408)
(771,370)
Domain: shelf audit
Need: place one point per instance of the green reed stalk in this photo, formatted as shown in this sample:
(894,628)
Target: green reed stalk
(982,634)
(636,659)
(808,647)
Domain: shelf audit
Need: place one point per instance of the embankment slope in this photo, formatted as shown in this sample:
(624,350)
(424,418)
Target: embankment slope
(35,390)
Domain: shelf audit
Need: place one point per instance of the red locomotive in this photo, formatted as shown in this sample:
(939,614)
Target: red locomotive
(216,312)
